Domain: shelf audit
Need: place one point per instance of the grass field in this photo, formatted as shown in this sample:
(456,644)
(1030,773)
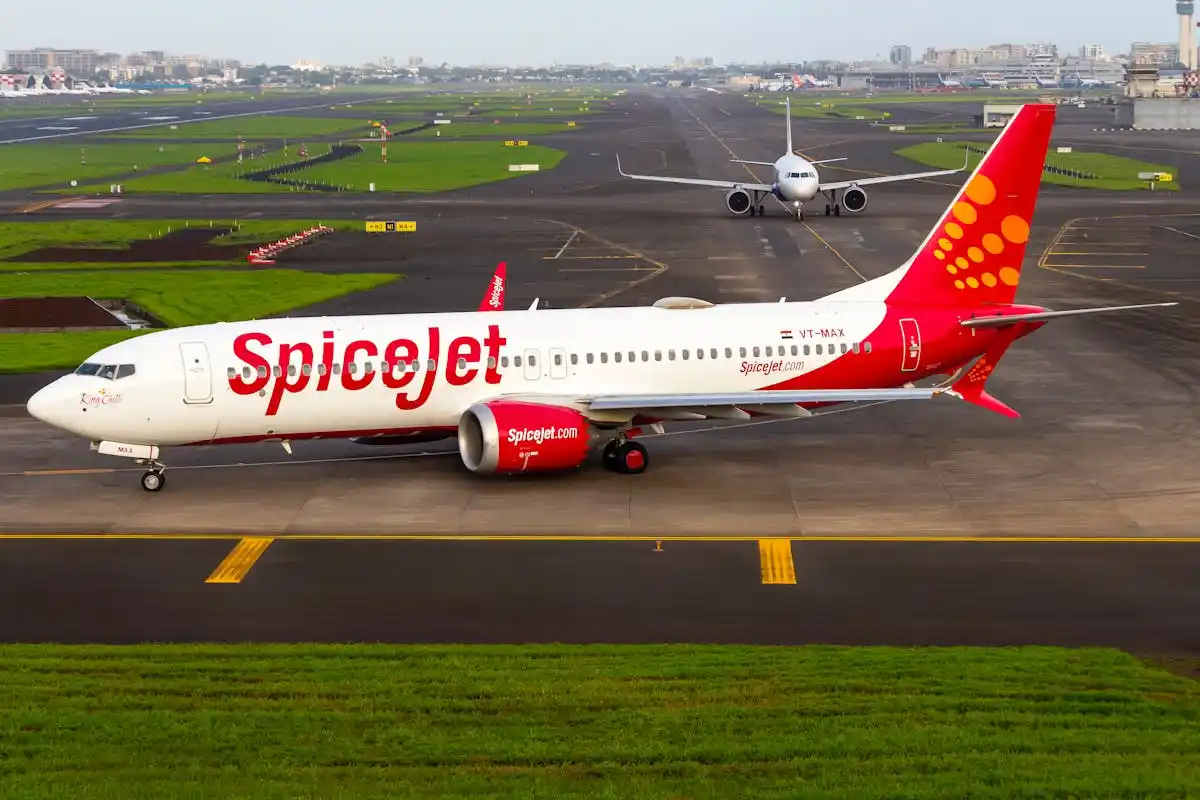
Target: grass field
(459,129)
(430,166)
(1116,172)
(26,165)
(267,126)
(177,297)
(17,238)
(644,722)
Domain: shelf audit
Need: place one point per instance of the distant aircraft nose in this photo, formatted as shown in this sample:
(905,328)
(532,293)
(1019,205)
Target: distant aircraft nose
(41,405)
(52,406)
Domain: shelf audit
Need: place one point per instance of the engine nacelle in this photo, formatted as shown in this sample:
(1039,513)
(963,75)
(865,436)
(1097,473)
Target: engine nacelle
(739,201)
(854,199)
(503,437)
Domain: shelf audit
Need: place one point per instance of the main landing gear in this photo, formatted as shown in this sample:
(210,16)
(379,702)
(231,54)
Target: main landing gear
(833,206)
(759,209)
(625,457)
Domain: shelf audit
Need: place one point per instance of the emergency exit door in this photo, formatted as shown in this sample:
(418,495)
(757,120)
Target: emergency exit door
(910,337)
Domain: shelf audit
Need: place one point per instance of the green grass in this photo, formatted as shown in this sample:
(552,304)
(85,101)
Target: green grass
(504,130)
(272,126)
(648,722)
(828,109)
(430,166)
(1116,172)
(177,297)
(26,165)
(17,238)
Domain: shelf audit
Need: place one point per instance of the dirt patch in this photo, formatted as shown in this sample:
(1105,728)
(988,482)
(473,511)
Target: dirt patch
(189,244)
(55,313)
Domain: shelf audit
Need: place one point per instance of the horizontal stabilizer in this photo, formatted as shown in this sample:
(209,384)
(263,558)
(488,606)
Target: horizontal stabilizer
(1001,320)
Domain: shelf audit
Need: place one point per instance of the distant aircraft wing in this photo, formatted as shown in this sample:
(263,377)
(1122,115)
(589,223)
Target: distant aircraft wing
(493,298)
(762,187)
(911,176)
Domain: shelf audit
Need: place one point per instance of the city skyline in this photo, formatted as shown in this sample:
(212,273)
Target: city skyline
(621,32)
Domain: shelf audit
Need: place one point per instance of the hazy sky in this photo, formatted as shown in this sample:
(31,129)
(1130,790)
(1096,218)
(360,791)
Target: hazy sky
(542,31)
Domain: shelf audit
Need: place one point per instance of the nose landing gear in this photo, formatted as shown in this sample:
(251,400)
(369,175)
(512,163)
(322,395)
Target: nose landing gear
(154,480)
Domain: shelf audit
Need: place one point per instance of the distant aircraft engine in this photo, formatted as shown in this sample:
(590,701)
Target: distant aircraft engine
(505,437)
(854,200)
(738,202)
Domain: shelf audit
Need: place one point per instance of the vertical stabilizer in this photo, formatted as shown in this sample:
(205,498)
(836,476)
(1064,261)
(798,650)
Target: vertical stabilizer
(973,256)
(789,125)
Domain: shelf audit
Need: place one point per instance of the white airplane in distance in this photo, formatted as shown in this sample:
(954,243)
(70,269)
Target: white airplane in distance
(796,183)
(535,390)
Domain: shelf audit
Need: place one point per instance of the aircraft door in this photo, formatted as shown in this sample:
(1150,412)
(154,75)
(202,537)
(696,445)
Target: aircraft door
(558,363)
(533,365)
(197,373)
(910,343)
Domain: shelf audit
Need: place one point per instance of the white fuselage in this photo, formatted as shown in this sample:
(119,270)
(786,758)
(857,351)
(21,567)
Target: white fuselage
(796,179)
(210,383)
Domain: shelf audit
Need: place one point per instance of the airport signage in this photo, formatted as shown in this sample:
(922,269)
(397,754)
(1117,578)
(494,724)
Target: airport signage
(1162,177)
(523,167)
(516,143)
(442,121)
(378,226)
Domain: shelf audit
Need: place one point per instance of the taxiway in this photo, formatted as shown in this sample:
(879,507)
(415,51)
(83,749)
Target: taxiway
(1106,449)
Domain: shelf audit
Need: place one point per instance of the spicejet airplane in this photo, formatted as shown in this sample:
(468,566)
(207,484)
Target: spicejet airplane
(796,182)
(534,390)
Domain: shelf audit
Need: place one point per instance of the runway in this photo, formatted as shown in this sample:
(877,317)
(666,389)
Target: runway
(1106,448)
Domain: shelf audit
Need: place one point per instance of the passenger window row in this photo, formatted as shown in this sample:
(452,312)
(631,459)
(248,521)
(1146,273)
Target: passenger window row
(617,357)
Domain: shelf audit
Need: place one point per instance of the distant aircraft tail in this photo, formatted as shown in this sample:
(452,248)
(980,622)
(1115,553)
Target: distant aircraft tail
(789,126)
(493,298)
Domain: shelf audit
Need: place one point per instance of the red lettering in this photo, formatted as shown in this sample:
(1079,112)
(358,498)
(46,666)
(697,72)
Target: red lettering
(468,350)
(407,403)
(257,363)
(286,369)
(353,382)
(326,362)
(401,350)
(493,343)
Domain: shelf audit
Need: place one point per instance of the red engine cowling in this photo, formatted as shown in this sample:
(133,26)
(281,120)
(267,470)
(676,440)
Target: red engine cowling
(509,436)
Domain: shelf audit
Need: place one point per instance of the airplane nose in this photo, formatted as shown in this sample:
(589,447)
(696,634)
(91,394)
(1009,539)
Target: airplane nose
(41,405)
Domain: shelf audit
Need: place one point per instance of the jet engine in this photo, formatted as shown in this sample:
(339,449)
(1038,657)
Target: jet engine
(854,199)
(505,437)
(738,201)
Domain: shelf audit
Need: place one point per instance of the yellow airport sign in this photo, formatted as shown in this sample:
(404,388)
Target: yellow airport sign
(1166,177)
(378,226)
(510,143)
(522,143)
(570,124)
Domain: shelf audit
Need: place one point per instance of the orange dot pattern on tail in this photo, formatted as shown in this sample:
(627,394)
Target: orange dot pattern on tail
(980,372)
(985,234)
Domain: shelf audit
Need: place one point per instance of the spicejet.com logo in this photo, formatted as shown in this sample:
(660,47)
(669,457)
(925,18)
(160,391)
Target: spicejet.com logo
(539,435)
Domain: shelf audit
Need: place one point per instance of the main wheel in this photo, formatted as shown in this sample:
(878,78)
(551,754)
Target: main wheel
(753,209)
(828,209)
(837,211)
(153,481)
(608,459)
(632,459)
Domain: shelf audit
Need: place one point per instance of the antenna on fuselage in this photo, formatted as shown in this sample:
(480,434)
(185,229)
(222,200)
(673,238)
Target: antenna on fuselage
(789,125)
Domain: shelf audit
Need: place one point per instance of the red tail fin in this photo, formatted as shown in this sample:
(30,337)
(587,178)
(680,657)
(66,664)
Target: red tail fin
(974,255)
(493,298)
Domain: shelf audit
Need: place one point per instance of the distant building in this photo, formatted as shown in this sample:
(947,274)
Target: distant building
(1154,54)
(901,55)
(1092,52)
(72,62)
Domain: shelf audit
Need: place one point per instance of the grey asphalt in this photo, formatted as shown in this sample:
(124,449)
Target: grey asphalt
(1106,447)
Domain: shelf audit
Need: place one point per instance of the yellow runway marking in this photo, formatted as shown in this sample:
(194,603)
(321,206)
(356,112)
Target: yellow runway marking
(94,471)
(240,560)
(776,558)
(537,537)
(833,250)
(29,209)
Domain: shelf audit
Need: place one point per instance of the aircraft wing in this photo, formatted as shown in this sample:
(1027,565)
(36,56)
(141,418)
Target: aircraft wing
(762,187)
(910,176)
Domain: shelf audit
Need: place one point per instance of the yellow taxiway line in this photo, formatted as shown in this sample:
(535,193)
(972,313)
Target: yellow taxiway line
(470,537)
(240,560)
(776,558)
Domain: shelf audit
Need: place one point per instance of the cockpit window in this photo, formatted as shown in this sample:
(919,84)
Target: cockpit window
(110,371)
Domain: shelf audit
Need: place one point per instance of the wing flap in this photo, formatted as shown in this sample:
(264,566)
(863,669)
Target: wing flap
(749,400)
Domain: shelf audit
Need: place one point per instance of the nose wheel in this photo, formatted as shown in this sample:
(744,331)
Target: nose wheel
(153,480)
(625,458)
